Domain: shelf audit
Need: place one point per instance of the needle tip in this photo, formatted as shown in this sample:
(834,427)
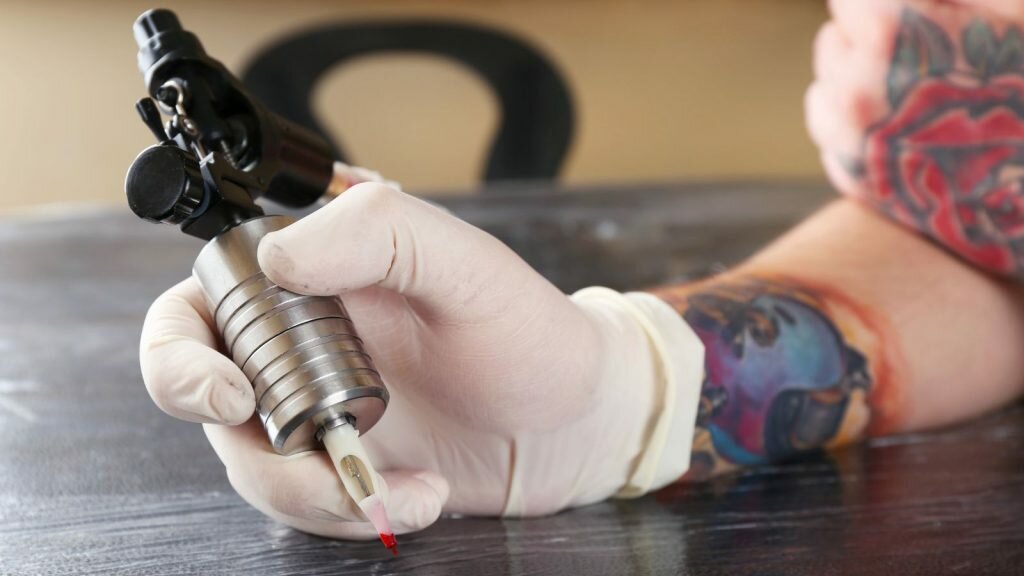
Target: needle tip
(389,542)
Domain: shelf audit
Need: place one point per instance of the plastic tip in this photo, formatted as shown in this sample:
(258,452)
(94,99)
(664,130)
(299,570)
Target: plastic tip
(358,477)
(374,511)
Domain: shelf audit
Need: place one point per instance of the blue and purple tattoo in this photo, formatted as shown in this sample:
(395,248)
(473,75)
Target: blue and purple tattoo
(789,370)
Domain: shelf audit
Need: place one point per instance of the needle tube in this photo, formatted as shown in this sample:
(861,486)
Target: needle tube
(341,439)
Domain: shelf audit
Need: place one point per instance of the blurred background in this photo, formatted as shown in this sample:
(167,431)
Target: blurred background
(684,90)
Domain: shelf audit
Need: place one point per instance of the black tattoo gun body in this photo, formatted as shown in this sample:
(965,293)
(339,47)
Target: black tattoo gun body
(220,151)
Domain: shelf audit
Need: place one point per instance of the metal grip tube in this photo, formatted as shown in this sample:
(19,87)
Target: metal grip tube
(301,353)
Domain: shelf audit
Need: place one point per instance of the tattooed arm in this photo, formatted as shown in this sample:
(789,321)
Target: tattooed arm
(918,109)
(845,327)
(852,325)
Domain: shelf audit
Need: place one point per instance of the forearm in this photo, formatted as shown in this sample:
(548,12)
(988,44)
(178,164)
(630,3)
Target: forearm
(845,327)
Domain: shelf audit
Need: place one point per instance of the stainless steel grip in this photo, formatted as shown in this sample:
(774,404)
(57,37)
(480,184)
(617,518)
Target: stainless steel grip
(302,354)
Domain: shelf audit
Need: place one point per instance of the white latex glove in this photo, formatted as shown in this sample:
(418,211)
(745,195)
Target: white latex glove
(507,396)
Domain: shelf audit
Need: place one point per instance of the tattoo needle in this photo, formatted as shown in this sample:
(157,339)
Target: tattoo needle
(358,477)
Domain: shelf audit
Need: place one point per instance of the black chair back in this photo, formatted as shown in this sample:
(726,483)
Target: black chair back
(536,125)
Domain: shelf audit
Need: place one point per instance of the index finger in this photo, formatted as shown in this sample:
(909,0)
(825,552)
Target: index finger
(185,374)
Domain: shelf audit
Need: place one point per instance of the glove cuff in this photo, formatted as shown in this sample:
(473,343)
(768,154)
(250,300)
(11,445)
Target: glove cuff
(680,371)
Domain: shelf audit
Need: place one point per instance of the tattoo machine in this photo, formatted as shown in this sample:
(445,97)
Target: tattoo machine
(220,151)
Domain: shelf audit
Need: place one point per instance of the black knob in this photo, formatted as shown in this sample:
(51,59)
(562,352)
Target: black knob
(154,22)
(164,184)
(163,43)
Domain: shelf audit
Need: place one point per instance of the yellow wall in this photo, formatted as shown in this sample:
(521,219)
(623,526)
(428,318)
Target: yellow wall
(665,90)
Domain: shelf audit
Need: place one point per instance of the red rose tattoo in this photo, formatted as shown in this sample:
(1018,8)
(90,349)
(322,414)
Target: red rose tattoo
(949,159)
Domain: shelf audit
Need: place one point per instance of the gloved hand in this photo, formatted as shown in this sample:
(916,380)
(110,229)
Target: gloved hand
(507,397)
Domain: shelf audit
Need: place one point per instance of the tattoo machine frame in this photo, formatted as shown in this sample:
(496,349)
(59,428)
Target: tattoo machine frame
(220,151)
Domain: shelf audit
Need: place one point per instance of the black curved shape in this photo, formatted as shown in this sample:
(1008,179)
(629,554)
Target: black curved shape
(536,107)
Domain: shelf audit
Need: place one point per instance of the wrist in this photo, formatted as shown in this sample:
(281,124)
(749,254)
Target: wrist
(680,357)
(655,356)
(635,434)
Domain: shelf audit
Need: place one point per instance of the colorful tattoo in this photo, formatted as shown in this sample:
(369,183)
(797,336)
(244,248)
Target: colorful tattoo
(790,369)
(948,160)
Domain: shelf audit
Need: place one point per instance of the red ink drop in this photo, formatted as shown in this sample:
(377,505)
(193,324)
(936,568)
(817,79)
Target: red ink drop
(390,543)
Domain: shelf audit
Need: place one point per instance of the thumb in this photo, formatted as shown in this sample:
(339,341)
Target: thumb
(304,492)
(415,498)
(375,235)
(413,501)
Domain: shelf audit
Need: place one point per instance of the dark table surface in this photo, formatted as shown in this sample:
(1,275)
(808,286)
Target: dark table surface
(95,480)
